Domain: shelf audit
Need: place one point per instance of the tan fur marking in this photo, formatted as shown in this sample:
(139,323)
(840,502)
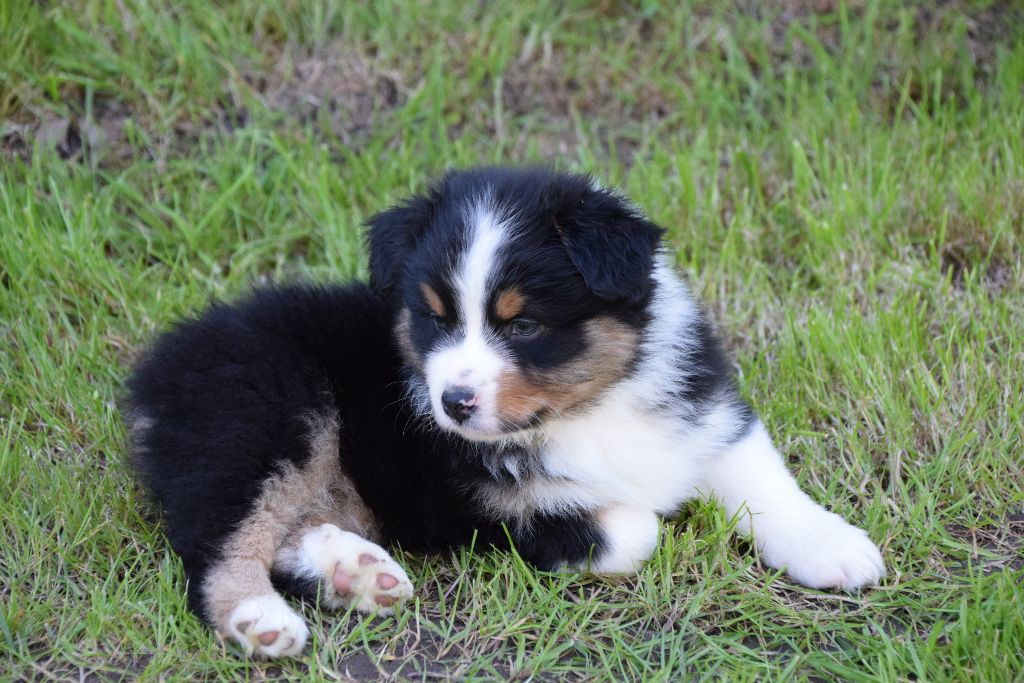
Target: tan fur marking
(558,391)
(289,504)
(403,335)
(433,299)
(509,304)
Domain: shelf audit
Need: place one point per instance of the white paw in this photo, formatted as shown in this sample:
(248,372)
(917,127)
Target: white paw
(822,551)
(355,571)
(268,627)
(630,534)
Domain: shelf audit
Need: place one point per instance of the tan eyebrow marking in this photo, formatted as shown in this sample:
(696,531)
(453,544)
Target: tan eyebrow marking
(433,299)
(509,304)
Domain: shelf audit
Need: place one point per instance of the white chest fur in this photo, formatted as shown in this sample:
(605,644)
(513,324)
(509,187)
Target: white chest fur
(618,454)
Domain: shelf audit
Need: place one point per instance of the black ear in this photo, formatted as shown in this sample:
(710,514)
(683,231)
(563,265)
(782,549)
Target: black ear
(392,233)
(611,244)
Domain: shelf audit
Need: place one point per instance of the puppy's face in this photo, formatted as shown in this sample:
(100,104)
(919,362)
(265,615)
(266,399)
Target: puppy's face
(520,295)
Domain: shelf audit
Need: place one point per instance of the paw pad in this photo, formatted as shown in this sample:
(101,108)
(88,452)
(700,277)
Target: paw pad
(266,626)
(361,573)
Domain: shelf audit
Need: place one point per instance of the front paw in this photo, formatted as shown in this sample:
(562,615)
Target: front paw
(266,626)
(822,551)
(629,537)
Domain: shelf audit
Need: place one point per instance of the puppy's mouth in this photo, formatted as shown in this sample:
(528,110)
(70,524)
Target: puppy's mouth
(508,430)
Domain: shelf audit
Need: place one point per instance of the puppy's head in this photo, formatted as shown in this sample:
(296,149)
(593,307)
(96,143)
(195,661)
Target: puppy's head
(520,294)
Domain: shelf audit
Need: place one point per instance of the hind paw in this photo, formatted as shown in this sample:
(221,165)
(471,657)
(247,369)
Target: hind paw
(355,571)
(266,626)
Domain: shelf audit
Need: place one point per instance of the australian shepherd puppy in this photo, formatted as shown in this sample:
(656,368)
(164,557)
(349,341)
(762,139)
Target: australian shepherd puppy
(524,366)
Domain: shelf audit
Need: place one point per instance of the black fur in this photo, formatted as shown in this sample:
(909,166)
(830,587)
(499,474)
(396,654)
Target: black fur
(223,400)
(228,396)
(392,233)
(609,243)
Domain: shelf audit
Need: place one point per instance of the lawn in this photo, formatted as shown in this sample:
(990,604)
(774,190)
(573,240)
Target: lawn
(842,183)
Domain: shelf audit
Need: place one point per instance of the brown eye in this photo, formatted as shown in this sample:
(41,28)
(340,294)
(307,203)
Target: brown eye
(521,327)
(440,323)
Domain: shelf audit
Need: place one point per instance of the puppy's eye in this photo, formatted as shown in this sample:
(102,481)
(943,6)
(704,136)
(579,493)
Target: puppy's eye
(439,322)
(521,327)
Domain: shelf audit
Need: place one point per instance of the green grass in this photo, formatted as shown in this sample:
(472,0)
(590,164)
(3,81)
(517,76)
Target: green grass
(843,185)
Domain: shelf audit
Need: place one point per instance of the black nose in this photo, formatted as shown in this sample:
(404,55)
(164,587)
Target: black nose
(459,403)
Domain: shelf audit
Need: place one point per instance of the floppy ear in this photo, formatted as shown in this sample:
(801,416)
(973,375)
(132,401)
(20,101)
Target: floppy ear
(611,244)
(390,236)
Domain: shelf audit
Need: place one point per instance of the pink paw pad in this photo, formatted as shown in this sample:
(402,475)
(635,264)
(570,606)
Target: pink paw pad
(343,582)
(357,572)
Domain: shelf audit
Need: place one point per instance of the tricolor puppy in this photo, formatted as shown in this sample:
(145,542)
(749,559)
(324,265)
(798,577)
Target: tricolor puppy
(523,358)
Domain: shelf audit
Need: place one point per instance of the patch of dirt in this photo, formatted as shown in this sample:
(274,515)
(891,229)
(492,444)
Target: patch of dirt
(987,27)
(345,95)
(14,140)
(539,87)
(90,670)
(959,259)
(419,655)
(72,137)
(933,29)
(539,81)
(416,653)
(971,240)
(994,547)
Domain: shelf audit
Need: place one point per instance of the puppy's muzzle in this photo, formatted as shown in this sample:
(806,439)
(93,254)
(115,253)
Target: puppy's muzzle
(459,403)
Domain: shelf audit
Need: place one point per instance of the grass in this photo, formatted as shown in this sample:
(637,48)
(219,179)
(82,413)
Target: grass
(841,182)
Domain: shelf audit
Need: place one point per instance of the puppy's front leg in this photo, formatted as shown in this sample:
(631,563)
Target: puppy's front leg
(816,547)
(630,537)
(612,540)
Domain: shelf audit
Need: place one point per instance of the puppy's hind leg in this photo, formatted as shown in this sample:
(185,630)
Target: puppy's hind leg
(237,593)
(238,598)
(816,547)
(330,558)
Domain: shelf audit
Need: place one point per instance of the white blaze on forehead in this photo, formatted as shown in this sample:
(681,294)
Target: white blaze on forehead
(475,359)
(487,233)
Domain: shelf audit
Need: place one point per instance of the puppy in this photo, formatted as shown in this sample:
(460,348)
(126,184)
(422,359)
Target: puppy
(523,365)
